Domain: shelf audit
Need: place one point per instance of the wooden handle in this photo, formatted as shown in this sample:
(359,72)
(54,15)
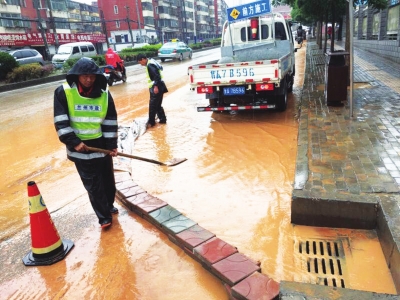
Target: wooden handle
(126,155)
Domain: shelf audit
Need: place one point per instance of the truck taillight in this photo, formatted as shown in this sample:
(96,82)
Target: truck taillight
(264,87)
(205,90)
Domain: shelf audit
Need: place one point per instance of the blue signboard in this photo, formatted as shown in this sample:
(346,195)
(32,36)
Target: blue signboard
(248,10)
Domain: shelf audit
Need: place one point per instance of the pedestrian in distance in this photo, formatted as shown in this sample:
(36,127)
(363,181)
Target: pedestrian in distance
(157,89)
(329,32)
(85,115)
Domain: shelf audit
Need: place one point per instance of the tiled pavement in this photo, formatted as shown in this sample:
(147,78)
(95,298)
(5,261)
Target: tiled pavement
(348,167)
(359,154)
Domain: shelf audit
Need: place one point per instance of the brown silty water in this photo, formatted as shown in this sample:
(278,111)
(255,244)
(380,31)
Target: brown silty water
(236,183)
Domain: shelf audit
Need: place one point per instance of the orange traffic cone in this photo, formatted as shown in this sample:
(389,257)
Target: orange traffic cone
(47,247)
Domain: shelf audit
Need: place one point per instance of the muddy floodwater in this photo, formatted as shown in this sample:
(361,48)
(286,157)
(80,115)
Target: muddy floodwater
(236,183)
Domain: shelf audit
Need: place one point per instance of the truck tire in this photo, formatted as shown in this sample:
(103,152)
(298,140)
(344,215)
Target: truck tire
(291,81)
(281,100)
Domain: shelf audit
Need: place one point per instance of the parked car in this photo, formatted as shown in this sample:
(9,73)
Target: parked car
(175,50)
(27,56)
(73,50)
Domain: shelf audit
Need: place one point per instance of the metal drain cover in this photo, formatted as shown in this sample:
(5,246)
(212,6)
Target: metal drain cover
(321,261)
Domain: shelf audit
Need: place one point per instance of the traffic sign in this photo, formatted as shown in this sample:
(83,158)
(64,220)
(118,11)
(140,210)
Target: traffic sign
(248,10)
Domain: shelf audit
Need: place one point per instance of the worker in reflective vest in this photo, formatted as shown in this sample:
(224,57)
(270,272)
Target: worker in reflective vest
(157,89)
(85,115)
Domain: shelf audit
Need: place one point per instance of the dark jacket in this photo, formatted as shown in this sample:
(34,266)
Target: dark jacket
(61,113)
(154,69)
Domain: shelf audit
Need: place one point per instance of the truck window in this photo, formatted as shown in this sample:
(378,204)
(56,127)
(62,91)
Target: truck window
(84,49)
(280,33)
(75,50)
(264,33)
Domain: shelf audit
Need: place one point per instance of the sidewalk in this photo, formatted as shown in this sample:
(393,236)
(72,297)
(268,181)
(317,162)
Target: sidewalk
(348,167)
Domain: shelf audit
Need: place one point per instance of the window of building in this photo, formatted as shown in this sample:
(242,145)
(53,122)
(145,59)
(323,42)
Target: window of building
(116,9)
(355,27)
(117,24)
(364,27)
(393,22)
(375,25)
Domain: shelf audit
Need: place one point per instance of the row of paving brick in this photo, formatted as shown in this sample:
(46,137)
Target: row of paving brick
(241,275)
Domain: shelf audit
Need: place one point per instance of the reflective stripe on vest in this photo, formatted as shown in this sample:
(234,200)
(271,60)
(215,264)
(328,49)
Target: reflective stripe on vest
(149,81)
(86,114)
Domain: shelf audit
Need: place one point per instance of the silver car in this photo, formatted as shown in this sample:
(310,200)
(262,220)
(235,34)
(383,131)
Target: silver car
(175,50)
(27,56)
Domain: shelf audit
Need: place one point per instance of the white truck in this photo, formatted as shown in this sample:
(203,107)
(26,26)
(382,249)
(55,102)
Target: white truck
(256,69)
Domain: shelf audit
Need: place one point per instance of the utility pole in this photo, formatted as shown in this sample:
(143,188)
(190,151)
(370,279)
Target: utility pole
(184,32)
(43,33)
(53,24)
(138,17)
(129,23)
(104,27)
(194,21)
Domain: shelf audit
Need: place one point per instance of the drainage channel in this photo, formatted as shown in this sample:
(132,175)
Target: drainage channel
(342,258)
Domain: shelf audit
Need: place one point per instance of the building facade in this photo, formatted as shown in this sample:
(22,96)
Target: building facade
(378,31)
(151,21)
(46,24)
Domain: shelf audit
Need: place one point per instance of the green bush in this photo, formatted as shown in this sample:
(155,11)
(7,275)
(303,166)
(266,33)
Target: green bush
(129,54)
(29,72)
(98,59)
(196,46)
(7,64)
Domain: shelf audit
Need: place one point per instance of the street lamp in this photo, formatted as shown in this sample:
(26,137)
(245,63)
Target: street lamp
(129,23)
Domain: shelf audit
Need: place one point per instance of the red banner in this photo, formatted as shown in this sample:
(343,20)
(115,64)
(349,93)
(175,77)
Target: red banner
(35,39)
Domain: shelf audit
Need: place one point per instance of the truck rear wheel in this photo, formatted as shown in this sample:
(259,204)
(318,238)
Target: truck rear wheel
(281,100)
(291,82)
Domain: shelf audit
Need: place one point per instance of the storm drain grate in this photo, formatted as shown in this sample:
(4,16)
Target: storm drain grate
(322,262)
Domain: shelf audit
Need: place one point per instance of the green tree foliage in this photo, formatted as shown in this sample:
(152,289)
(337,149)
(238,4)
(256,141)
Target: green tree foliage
(7,64)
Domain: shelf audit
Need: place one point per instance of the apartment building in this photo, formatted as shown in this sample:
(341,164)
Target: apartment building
(151,21)
(45,24)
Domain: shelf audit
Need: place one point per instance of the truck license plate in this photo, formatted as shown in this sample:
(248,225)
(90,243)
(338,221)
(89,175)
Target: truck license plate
(234,90)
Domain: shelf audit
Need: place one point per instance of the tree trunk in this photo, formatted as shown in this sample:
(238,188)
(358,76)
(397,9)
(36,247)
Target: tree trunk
(348,31)
(340,30)
(333,27)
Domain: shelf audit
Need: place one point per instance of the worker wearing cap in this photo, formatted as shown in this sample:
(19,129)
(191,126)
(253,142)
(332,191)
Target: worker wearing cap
(157,88)
(85,115)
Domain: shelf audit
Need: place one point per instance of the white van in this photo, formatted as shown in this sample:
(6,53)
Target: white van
(73,50)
